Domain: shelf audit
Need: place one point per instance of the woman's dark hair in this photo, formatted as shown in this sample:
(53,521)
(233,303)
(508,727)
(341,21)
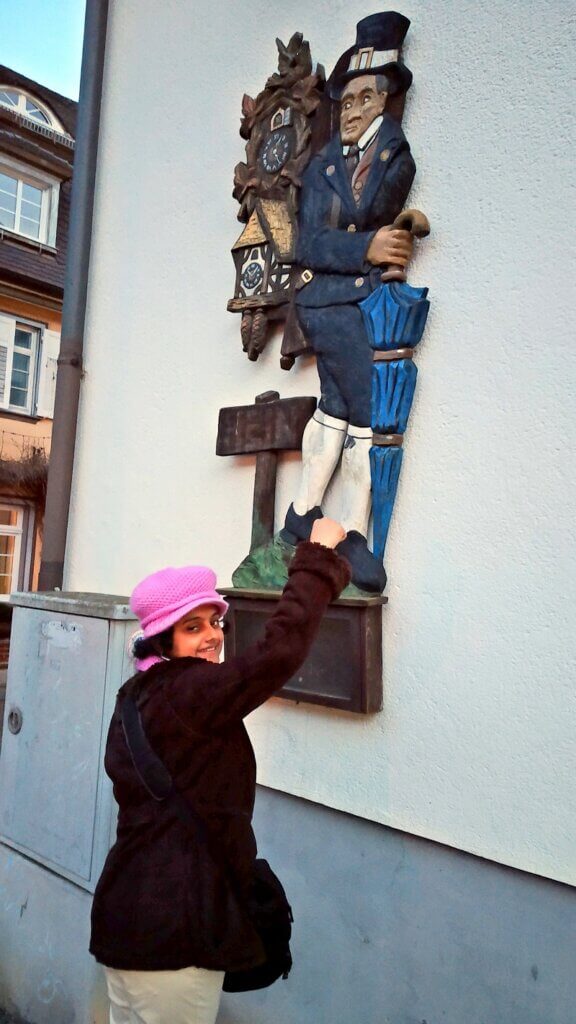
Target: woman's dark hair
(159,645)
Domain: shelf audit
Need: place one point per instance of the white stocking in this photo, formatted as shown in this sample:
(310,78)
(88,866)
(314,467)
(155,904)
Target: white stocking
(321,447)
(356,481)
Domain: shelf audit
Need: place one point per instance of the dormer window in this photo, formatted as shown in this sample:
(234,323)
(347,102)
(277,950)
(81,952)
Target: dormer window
(28,201)
(20,206)
(24,104)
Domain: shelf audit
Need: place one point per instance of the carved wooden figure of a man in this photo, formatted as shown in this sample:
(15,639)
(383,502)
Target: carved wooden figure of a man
(352,191)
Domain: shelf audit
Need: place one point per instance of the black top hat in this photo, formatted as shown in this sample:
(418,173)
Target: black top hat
(375,52)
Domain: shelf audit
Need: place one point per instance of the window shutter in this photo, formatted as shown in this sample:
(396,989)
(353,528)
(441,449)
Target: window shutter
(47,375)
(53,198)
(7,333)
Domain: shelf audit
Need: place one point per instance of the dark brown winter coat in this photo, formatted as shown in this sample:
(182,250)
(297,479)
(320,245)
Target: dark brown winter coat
(161,903)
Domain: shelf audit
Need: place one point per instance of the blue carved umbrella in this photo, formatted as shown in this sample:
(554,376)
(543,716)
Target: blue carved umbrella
(394,316)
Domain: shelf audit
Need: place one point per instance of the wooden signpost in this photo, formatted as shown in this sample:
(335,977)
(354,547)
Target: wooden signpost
(269,426)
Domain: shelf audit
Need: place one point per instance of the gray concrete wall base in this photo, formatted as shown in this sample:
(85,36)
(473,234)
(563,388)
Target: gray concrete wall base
(392,929)
(46,973)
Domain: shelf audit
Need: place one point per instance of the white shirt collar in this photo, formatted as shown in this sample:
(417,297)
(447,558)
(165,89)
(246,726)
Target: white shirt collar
(368,136)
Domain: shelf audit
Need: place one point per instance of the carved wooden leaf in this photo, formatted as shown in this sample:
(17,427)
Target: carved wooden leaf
(247,120)
(306,92)
(248,105)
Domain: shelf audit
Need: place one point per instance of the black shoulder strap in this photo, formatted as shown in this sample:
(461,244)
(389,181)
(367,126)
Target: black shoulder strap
(155,776)
(151,770)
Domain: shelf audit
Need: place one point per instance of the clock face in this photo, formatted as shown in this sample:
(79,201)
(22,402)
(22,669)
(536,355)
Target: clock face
(252,275)
(275,151)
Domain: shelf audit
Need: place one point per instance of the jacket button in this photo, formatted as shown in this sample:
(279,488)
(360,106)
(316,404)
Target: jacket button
(384,154)
(351,227)
(330,170)
(359,282)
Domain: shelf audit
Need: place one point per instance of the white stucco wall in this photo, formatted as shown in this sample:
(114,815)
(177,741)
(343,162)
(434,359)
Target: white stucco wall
(475,746)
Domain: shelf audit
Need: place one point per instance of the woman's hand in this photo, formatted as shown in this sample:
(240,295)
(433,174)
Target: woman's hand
(327,532)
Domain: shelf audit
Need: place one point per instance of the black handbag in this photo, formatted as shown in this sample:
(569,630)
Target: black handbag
(266,904)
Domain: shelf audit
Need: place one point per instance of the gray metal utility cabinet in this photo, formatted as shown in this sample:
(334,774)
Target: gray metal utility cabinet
(68,658)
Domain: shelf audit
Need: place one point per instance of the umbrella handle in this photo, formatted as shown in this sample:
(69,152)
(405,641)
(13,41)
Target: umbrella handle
(418,225)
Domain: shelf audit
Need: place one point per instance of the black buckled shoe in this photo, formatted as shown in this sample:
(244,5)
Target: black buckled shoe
(300,527)
(367,572)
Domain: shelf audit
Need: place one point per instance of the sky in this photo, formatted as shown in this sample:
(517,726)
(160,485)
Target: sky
(42,39)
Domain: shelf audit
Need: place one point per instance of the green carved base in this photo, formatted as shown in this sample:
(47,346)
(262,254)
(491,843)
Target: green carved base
(266,568)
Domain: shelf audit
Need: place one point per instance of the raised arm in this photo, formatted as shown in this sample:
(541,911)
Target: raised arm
(211,696)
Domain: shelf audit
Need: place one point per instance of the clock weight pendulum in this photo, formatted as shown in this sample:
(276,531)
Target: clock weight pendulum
(253,332)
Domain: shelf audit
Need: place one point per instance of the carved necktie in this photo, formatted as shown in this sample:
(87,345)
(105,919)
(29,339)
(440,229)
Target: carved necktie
(352,158)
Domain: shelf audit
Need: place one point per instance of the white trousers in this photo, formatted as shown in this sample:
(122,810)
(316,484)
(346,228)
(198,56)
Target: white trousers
(189,996)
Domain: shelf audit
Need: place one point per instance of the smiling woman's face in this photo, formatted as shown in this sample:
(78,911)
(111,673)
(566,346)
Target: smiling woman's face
(198,634)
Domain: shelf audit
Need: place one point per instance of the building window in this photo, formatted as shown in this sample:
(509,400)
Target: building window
(29,201)
(21,207)
(23,364)
(15,533)
(28,367)
(24,104)
(11,521)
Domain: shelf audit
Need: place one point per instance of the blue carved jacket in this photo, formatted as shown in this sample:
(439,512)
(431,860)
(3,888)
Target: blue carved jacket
(334,232)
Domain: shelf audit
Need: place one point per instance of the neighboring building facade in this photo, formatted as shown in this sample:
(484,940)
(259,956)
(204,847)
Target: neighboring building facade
(37,128)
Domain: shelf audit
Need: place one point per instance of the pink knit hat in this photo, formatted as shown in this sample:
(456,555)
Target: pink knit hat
(162,598)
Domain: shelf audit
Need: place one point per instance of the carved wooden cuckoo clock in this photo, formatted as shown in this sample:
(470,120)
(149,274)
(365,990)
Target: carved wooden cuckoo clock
(277,128)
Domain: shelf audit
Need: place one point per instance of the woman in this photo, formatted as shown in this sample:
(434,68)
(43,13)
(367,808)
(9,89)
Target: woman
(164,921)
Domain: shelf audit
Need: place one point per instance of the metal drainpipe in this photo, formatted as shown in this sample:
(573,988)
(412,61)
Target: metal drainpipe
(75,290)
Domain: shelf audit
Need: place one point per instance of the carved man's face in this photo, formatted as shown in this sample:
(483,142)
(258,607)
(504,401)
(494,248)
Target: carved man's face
(360,103)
